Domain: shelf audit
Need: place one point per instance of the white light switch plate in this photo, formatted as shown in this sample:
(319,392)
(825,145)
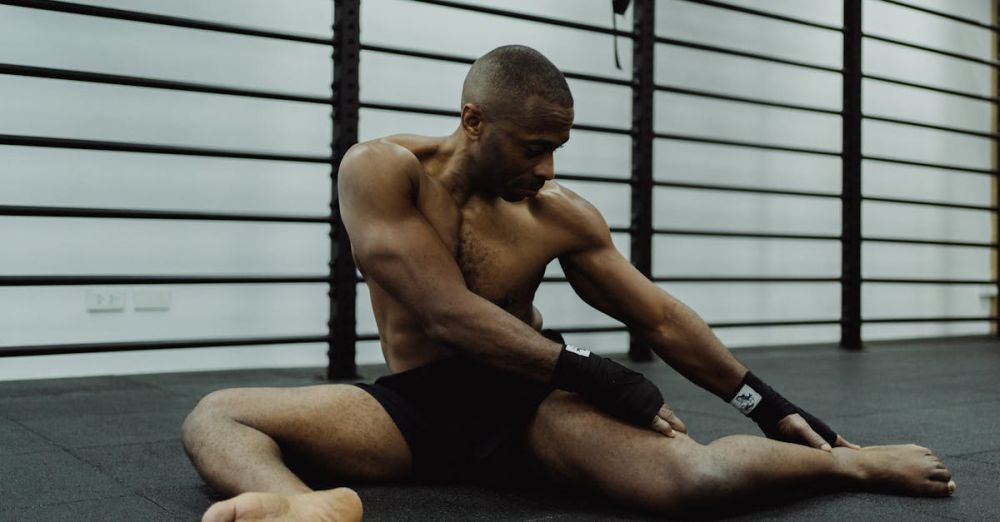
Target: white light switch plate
(150,300)
(105,300)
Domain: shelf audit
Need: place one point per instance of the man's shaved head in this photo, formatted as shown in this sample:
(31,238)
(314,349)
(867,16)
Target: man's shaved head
(502,81)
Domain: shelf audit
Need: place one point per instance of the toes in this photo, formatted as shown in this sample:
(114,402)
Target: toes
(946,488)
(942,488)
(941,474)
(220,512)
(348,504)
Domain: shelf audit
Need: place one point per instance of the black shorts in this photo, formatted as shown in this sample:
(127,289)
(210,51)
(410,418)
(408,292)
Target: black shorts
(461,418)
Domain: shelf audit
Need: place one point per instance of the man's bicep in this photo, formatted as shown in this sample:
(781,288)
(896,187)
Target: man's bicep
(406,258)
(393,243)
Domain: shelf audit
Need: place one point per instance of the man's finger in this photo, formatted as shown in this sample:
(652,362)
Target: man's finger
(813,439)
(668,415)
(663,427)
(678,424)
(220,511)
(842,442)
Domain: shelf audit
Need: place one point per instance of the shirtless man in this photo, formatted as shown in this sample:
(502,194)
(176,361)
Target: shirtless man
(453,235)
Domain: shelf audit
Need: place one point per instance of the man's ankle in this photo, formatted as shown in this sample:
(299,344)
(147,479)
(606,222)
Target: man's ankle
(850,468)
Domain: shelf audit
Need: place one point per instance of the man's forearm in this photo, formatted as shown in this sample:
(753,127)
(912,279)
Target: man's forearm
(488,333)
(685,342)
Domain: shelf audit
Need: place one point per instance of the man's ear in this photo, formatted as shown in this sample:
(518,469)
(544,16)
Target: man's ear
(472,121)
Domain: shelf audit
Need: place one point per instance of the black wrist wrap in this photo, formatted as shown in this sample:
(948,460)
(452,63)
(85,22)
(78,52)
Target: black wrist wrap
(613,388)
(766,407)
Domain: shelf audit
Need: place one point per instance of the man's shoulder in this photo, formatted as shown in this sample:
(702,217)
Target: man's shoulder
(378,166)
(381,153)
(572,212)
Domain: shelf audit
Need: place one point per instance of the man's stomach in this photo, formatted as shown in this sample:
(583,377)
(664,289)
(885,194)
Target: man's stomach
(406,351)
(406,346)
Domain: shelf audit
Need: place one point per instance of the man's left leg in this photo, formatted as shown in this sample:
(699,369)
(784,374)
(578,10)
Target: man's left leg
(642,469)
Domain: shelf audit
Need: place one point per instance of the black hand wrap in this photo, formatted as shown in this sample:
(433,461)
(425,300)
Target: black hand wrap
(767,407)
(615,389)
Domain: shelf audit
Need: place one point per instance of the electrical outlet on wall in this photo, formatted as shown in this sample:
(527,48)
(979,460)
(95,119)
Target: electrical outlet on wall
(151,299)
(105,300)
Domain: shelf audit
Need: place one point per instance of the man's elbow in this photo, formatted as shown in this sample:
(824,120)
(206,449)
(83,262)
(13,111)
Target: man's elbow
(658,335)
(660,332)
(437,329)
(444,325)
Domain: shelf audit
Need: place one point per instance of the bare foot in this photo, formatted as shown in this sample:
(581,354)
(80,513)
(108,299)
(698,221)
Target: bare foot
(334,505)
(905,469)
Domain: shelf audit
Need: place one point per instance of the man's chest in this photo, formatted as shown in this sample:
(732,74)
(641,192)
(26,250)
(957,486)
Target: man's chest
(498,264)
(502,252)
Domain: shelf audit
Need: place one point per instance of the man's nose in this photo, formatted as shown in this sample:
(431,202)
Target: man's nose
(546,168)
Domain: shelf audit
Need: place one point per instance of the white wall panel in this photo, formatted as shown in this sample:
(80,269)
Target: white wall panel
(312,17)
(745,77)
(744,167)
(87,178)
(716,210)
(67,41)
(901,300)
(695,116)
(917,66)
(55,314)
(919,222)
(152,247)
(688,256)
(909,25)
(925,145)
(907,103)
(743,302)
(65,109)
(894,260)
(723,28)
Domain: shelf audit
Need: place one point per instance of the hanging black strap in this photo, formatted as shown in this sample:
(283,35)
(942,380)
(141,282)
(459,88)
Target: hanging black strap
(617,7)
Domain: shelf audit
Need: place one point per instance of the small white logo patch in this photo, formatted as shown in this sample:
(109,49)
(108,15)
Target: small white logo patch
(746,400)
(580,351)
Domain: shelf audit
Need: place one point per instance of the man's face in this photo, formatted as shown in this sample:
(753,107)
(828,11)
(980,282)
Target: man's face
(518,151)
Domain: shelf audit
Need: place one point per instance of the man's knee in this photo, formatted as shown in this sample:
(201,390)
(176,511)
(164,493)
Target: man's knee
(218,406)
(684,481)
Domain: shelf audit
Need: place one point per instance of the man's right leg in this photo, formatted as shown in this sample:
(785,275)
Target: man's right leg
(580,446)
(239,439)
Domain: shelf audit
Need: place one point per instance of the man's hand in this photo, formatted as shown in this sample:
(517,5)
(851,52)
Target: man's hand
(666,422)
(794,428)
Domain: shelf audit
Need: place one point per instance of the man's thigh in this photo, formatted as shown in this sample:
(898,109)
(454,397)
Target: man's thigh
(337,431)
(581,447)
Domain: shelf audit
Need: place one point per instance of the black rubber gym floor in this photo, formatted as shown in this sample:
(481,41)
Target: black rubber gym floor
(108,448)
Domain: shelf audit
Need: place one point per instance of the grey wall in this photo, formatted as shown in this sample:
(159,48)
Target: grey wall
(97,179)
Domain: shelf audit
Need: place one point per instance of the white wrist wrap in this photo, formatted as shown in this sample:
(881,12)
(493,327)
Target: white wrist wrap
(746,399)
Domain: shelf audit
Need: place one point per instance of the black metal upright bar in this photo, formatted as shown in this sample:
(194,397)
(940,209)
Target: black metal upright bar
(995,305)
(850,328)
(643,90)
(343,284)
